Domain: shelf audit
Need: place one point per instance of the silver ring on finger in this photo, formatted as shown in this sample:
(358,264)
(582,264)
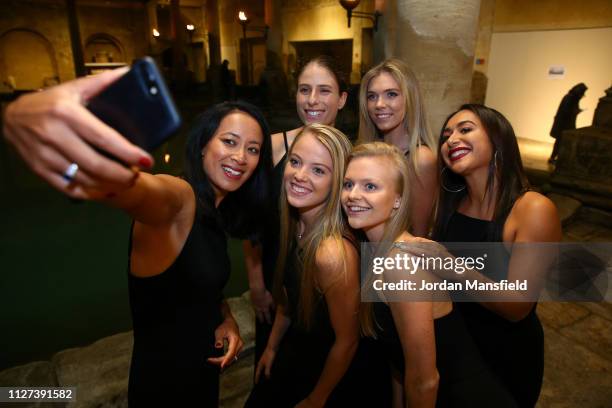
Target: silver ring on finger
(70,172)
(235,358)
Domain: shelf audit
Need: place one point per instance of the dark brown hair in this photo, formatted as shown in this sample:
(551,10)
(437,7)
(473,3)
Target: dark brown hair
(329,63)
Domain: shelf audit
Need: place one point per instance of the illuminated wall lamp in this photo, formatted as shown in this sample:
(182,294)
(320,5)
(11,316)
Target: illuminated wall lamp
(243,19)
(349,5)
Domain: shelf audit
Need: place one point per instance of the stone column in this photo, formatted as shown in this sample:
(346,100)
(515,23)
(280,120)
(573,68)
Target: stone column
(483,48)
(437,39)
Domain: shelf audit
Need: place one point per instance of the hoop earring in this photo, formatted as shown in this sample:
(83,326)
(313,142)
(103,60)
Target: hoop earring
(446,188)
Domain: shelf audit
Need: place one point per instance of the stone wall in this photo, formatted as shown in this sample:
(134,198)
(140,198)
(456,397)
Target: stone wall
(127,25)
(528,15)
(47,20)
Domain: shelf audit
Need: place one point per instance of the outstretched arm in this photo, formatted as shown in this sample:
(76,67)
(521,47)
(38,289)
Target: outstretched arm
(52,130)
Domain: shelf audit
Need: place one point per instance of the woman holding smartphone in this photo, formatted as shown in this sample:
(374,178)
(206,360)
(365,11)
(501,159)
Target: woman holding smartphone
(434,359)
(178,263)
(392,110)
(321,93)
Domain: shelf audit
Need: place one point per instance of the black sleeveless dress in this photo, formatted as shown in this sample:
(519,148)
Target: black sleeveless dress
(465,380)
(174,316)
(301,357)
(514,351)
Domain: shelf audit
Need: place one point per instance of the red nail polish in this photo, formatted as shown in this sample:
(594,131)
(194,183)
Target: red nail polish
(145,162)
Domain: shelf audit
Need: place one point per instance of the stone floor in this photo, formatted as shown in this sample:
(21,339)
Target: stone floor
(578,336)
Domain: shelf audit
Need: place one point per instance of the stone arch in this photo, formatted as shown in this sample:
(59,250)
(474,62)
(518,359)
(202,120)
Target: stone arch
(102,47)
(27,60)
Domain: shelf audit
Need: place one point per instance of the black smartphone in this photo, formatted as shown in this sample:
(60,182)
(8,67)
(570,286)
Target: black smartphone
(138,106)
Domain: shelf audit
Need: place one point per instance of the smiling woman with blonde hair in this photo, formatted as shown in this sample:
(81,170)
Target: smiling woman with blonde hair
(320,95)
(392,110)
(316,285)
(434,359)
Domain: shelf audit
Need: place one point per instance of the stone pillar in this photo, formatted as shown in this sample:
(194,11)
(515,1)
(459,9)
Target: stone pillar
(436,38)
(483,48)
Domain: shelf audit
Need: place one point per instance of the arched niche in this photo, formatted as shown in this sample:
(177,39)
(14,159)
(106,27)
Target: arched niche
(103,48)
(27,61)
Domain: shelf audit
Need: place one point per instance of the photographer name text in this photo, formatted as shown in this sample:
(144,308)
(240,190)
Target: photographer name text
(474,285)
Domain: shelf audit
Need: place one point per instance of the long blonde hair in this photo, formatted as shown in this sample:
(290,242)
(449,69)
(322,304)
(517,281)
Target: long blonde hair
(415,120)
(398,222)
(329,224)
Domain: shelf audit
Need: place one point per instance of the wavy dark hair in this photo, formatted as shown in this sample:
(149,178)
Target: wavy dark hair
(505,166)
(239,213)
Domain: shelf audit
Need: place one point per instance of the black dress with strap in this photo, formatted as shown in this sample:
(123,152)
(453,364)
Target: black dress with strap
(514,351)
(303,352)
(174,316)
(465,380)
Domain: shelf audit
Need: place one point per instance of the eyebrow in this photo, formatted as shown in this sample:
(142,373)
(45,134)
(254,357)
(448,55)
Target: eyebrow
(463,122)
(239,137)
(232,133)
(387,90)
(322,165)
(314,164)
(365,180)
(317,85)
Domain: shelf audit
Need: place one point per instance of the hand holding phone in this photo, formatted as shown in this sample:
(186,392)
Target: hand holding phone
(52,131)
(138,106)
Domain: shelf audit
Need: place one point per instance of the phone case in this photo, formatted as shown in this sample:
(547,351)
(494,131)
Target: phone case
(139,106)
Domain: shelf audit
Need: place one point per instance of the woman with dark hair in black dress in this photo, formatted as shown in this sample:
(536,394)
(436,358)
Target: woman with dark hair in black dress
(178,263)
(485,197)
